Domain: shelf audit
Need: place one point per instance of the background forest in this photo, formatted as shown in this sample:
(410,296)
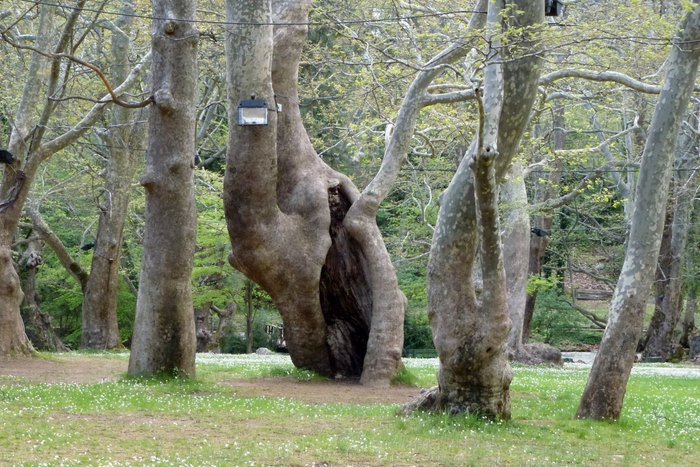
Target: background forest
(579,160)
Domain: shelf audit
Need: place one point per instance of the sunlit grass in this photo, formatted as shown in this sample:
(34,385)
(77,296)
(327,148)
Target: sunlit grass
(202,422)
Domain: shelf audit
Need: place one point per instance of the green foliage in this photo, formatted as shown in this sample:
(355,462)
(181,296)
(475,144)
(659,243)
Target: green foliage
(556,323)
(234,340)
(417,332)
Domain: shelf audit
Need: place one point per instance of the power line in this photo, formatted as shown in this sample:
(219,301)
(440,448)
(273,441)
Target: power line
(245,23)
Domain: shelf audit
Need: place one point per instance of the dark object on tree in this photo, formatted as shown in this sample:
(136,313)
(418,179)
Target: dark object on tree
(88,246)
(6,157)
(540,232)
(553,7)
(252,112)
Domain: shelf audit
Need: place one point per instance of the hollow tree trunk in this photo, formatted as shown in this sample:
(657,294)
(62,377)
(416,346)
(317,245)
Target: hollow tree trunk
(99,311)
(471,337)
(332,282)
(164,336)
(607,382)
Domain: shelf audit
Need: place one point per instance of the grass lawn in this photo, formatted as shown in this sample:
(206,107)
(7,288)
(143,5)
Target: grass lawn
(290,417)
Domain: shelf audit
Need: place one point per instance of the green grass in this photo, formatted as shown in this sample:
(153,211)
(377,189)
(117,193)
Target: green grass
(202,422)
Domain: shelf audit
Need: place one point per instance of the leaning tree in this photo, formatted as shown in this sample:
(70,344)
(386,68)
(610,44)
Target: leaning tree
(607,383)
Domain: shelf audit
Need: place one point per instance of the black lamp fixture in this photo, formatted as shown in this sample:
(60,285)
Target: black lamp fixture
(252,112)
(553,7)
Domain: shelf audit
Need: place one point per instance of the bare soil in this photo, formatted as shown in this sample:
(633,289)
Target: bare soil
(92,370)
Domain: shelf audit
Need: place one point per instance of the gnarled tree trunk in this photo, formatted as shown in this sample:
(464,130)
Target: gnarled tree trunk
(607,382)
(471,336)
(287,213)
(164,333)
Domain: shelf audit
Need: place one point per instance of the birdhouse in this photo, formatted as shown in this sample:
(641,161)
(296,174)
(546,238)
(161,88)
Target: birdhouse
(252,112)
(553,7)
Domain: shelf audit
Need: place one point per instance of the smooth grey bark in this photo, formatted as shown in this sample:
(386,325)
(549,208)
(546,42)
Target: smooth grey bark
(164,340)
(605,390)
(516,245)
(99,311)
(288,214)
(667,314)
(471,336)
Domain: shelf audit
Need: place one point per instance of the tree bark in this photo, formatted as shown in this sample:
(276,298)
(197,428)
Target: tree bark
(99,311)
(516,245)
(28,145)
(288,214)
(39,327)
(471,337)
(164,339)
(667,313)
(604,393)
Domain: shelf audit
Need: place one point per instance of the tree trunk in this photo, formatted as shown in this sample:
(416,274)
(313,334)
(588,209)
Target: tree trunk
(30,149)
(471,337)
(99,311)
(667,313)
(164,337)
(287,213)
(39,327)
(516,244)
(542,193)
(249,316)
(688,327)
(607,382)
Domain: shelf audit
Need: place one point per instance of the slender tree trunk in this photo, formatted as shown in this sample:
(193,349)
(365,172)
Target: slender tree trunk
(249,316)
(667,314)
(99,312)
(516,244)
(607,382)
(164,337)
(688,326)
(542,193)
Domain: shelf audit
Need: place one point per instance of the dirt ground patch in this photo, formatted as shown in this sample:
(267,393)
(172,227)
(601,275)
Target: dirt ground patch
(57,369)
(91,370)
(322,392)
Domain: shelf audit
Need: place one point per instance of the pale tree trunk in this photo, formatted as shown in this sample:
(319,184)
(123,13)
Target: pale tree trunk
(99,310)
(607,382)
(471,336)
(326,270)
(28,145)
(164,340)
(516,245)
(660,339)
